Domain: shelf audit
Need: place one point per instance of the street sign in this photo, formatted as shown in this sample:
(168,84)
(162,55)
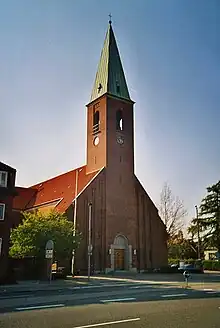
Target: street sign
(49,249)
(49,254)
(50,244)
(90,248)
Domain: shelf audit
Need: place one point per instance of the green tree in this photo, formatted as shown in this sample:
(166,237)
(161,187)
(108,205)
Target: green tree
(209,217)
(208,222)
(30,237)
(181,248)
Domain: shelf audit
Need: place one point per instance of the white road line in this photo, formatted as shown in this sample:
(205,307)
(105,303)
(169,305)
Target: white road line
(115,285)
(173,295)
(214,292)
(208,289)
(39,307)
(101,286)
(137,287)
(108,323)
(118,300)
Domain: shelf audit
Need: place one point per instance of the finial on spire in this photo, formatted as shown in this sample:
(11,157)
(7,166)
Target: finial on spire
(110,19)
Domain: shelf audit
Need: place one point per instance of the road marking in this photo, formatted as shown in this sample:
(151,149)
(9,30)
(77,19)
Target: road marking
(100,286)
(173,295)
(118,300)
(39,307)
(137,287)
(208,289)
(108,323)
(214,292)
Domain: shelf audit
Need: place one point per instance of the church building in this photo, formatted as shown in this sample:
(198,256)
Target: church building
(127,232)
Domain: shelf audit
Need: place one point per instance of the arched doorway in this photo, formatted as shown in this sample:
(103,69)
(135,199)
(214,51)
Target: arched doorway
(120,248)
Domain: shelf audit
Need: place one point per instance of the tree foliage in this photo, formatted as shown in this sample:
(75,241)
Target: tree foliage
(31,236)
(181,248)
(209,217)
(172,211)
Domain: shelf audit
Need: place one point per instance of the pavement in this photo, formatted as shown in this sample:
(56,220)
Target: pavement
(78,281)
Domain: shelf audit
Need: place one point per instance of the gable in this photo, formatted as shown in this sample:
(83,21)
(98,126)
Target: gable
(6,167)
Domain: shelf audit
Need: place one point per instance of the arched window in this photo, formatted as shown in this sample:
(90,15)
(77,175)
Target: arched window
(96,122)
(119,120)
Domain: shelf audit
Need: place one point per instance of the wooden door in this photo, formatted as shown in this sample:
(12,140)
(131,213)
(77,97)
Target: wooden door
(119,259)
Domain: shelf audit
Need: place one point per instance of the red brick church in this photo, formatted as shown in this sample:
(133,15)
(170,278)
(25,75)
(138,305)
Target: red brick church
(127,232)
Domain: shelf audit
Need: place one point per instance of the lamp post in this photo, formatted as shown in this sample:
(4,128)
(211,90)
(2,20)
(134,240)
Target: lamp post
(74,218)
(197,220)
(89,240)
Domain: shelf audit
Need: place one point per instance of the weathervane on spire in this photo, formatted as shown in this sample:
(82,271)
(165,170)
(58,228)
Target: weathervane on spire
(110,19)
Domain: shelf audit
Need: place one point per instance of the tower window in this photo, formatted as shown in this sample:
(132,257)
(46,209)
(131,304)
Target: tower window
(119,120)
(96,122)
(99,87)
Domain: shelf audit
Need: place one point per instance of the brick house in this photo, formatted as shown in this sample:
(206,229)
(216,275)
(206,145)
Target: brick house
(7,193)
(127,232)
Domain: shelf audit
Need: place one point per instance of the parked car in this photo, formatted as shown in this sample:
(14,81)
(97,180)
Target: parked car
(191,268)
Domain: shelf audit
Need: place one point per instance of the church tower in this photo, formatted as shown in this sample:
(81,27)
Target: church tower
(110,144)
(110,129)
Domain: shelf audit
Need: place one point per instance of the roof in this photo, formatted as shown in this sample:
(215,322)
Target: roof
(59,191)
(6,167)
(110,76)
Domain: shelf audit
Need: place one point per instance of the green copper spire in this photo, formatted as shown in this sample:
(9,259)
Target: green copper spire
(110,76)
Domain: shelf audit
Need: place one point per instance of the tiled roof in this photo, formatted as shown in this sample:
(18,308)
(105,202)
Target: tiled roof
(59,190)
(24,195)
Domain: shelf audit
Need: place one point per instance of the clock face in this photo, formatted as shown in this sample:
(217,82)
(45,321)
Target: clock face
(96,141)
(120,140)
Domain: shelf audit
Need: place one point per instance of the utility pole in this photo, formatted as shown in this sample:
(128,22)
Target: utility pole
(198,230)
(74,219)
(89,240)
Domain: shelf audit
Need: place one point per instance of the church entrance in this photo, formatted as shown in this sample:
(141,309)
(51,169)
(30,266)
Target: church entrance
(119,259)
(120,253)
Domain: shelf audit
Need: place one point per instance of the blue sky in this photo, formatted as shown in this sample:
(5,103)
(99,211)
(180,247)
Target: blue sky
(170,52)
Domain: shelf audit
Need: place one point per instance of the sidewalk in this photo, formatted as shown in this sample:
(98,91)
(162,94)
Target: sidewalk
(36,285)
(153,279)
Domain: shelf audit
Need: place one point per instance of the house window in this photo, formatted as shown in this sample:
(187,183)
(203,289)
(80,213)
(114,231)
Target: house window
(2,211)
(1,241)
(96,122)
(119,120)
(3,178)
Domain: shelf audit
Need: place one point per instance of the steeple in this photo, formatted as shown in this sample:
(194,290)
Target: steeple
(110,76)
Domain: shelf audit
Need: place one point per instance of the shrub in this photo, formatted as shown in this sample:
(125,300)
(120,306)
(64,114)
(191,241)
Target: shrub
(211,265)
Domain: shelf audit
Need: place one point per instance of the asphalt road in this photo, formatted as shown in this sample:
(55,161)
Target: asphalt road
(104,294)
(190,313)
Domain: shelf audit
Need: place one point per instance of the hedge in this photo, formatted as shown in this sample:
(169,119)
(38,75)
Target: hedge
(211,265)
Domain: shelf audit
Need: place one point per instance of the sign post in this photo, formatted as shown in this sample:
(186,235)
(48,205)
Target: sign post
(89,240)
(49,249)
